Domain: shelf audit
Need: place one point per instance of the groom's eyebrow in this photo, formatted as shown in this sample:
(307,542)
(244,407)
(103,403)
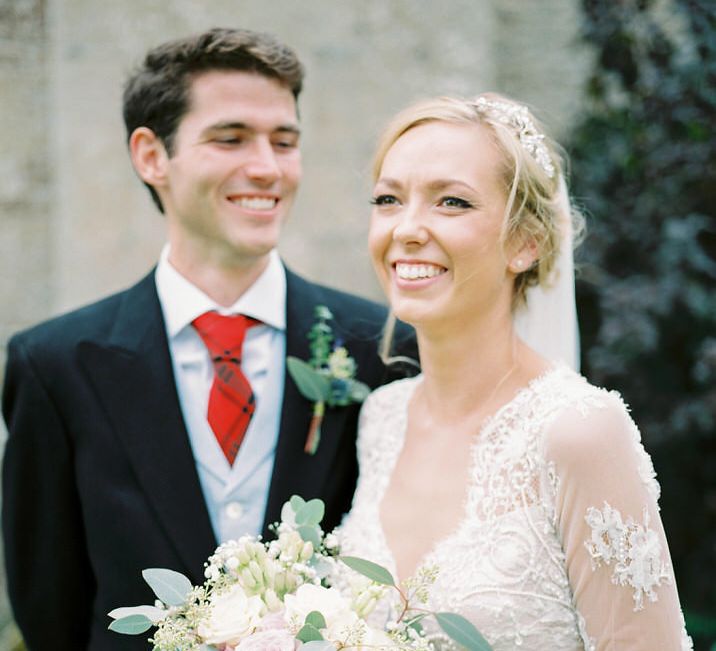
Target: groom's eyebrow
(243,126)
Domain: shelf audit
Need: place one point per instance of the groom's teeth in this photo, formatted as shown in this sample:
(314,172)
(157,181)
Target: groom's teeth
(255,203)
(416,271)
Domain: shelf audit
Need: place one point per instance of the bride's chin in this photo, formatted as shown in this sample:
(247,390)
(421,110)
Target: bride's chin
(414,314)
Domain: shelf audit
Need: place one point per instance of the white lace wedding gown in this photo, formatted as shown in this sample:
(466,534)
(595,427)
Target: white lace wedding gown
(561,546)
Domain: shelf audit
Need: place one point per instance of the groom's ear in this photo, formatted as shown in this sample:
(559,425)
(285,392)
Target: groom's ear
(149,156)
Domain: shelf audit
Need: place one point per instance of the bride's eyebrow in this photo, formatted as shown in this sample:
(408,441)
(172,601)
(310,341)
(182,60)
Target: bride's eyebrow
(392,184)
(439,185)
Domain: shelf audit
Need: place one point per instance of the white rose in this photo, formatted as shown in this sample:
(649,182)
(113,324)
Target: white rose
(350,626)
(342,626)
(233,616)
(275,640)
(377,640)
(327,601)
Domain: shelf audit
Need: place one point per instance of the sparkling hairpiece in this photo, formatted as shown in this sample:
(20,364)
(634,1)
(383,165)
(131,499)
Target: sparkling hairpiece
(517,117)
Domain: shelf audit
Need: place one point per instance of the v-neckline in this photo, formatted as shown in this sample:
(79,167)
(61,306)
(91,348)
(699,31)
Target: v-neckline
(477,439)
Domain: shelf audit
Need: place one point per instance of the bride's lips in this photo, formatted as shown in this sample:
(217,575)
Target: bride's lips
(416,274)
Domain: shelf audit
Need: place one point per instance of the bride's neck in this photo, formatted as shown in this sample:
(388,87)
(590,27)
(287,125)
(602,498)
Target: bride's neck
(466,369)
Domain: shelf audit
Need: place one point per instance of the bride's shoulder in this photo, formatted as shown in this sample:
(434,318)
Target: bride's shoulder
(390,395)
(564,388)
(590,424)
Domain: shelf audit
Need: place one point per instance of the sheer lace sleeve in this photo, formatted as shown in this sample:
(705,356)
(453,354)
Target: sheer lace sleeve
(607,515)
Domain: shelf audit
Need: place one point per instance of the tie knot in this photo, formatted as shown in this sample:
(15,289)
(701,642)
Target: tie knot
(223,335)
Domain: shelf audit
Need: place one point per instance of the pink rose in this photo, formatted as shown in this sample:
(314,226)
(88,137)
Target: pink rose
(272,622)
(272,640)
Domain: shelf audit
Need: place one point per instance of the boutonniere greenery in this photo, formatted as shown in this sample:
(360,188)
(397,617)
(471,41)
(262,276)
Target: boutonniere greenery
(328,378)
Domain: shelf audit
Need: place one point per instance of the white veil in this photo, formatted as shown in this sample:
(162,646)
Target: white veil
(548,322)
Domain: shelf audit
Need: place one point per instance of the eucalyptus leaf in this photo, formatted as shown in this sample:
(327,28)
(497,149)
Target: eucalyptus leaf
(287,513)
(131,625)
(311,513)
(372,570)
(315,618)
(170,587)
(318,645)
(358,391)
(416,623)
(152,612)
(309,633)
(297,503)
(312,384)
(310,533)
(462,631)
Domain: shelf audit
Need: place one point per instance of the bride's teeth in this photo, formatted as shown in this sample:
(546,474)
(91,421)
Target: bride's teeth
(255,203)
(415,271)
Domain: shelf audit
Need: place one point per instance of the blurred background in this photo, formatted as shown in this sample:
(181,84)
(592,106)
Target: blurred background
(628,87)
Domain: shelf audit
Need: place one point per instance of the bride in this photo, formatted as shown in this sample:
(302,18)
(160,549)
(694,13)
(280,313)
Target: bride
(526,486)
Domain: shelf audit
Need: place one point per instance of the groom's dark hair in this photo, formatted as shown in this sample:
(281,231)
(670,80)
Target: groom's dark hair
(157,94)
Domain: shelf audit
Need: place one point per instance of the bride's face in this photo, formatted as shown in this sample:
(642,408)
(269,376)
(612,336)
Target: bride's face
(436,224)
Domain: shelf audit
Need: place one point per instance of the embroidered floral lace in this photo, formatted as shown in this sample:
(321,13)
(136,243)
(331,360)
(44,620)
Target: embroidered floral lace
(561,546)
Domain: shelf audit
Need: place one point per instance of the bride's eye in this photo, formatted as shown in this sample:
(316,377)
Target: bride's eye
(384,200)
(455,202)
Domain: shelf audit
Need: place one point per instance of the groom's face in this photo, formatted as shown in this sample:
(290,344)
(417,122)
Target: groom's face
(234,170)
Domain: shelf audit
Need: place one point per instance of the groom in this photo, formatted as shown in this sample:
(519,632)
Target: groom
(130,446)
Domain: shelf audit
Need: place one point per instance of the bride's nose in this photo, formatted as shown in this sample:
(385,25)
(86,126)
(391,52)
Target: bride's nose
(410,227)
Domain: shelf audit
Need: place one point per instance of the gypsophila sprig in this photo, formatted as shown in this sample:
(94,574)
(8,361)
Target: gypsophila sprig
(328,378)
(287,594)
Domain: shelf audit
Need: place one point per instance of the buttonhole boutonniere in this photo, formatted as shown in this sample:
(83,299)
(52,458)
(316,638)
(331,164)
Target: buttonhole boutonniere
(328,378)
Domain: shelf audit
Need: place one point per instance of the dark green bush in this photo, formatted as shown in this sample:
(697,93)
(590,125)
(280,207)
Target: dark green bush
(644,168)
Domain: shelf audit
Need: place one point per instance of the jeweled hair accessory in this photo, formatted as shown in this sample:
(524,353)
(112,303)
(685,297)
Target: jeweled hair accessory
(518,118)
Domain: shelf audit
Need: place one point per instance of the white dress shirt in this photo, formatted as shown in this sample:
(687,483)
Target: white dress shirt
(235,495)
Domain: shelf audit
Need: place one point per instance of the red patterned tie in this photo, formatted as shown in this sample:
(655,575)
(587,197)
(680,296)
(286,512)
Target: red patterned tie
(231,400)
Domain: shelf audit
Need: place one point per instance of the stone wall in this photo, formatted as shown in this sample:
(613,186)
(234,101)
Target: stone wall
(76,222)
(26,248)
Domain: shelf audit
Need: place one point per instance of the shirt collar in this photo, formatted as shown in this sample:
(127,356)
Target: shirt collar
(182,301)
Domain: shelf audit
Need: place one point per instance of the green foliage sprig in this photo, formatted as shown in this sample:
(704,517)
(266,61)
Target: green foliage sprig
(328,378)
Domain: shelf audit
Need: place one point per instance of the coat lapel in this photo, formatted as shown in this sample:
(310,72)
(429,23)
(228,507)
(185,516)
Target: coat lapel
(295,472)
(133,375)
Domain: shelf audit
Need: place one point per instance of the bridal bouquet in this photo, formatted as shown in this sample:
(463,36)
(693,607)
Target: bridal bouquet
(295,592)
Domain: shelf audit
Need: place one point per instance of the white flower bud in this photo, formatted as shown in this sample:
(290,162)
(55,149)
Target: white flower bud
(256,572)
(269,570)
(272,601)
(291,582)
(367,607)
(247,578)
(306,551)
(279,582)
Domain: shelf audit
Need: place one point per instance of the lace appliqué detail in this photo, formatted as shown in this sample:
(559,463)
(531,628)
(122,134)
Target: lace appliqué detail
(633,549)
